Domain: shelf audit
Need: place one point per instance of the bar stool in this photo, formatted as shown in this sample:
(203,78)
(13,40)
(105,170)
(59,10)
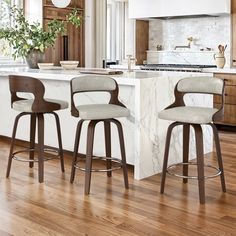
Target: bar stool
(35,108)
(95,113)
(194,116)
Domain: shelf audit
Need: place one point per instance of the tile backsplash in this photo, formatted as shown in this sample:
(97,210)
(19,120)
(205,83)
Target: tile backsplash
(207,32)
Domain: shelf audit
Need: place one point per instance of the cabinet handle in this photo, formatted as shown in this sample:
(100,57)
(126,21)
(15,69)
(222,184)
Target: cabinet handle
(234,60)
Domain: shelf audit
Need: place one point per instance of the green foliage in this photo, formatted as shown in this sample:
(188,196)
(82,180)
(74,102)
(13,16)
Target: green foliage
(23,36)
(74,17)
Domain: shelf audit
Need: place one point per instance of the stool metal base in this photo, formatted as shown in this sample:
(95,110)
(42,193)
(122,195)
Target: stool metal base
(112,159)
(28,150)
(168,170)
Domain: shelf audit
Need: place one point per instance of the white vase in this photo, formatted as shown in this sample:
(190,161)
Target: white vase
(219,60)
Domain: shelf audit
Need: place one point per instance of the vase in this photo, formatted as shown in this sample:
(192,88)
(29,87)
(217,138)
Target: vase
(219,60)
(34,57)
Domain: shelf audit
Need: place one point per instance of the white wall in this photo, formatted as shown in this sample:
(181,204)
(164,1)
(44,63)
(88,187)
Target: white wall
(206,31)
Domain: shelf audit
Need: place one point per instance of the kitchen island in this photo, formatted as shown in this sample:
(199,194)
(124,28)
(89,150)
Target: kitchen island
(144,93)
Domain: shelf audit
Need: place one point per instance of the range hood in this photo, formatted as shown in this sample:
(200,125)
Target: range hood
(140,9)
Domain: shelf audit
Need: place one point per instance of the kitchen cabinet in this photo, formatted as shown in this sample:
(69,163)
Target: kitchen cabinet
(71,45)
(229,117)
(169,8)
(141,41)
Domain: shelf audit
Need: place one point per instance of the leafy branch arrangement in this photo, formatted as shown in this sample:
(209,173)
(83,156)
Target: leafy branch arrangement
(24,37)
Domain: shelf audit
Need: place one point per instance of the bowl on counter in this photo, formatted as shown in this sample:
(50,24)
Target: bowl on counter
(69,65)
(45,66)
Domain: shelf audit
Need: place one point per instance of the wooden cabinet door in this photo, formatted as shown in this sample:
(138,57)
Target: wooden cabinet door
(54,54)
(142,35)
(229,117)
(78,3)
(75,37)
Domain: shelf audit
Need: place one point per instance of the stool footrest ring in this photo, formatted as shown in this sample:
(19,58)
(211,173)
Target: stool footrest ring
(46,150)
(114,160)
(170,172)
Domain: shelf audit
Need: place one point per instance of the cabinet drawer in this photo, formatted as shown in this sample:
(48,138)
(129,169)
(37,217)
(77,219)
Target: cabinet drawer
(230,79)
(229,114)
(230,96)
(55,13)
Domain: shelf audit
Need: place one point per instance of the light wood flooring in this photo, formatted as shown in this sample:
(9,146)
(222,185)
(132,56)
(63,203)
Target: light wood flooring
(57,207)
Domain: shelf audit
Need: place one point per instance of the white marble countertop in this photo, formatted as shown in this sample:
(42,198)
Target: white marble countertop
(225,70)
(58,74)
(144,93)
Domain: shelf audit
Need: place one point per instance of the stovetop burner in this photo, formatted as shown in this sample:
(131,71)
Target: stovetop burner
(176,67)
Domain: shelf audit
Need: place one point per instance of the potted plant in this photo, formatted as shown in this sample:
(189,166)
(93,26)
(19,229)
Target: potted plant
(30,40)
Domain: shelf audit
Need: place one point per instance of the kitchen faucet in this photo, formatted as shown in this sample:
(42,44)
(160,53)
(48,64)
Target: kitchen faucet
(190,39)
(130,59)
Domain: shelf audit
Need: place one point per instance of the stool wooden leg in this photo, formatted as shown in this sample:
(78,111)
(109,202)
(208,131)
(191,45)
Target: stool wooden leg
(219,156)
(200,162)
(166,154)
(107,132)
(32,139)
(76,146)
(40,147)
(12,144)
(59,141)
(122,150)
(186,129)
(89,155)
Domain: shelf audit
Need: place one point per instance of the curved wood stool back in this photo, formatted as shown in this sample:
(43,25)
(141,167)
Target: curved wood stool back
(97,84)
(197,85)
(39,107)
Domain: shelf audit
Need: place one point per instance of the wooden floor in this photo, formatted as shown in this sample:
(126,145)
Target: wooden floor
(58,208)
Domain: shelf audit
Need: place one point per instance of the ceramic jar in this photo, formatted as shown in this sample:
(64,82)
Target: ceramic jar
(219,60)
(34,57)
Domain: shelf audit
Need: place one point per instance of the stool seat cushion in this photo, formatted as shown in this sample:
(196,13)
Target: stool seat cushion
(101,111)
(185,114)
(26,105)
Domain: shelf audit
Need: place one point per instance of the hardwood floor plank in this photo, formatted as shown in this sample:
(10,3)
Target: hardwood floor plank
(57,207)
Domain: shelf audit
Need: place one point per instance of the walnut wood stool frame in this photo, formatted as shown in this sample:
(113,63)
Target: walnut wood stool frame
(40,107)
(179,101)
(91,130)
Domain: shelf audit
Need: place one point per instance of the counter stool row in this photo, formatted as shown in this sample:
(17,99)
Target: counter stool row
(39,106)
(178,112)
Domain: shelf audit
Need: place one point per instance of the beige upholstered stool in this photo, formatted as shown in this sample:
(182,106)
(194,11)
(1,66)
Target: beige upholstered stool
(35,108)
(95,113)
(194,116)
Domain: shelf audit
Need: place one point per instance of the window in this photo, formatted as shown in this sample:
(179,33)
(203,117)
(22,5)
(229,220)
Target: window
(5,20)
(120,31)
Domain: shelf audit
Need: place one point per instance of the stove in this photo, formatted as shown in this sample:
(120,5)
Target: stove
(176,67)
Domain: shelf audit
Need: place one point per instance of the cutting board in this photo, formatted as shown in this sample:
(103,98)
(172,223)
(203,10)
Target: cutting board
(101,71)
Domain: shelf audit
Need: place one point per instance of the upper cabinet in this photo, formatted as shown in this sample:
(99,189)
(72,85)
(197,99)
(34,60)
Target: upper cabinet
(70,45)
(170,8)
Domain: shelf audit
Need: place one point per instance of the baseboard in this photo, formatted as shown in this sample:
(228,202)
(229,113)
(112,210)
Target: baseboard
(226,128)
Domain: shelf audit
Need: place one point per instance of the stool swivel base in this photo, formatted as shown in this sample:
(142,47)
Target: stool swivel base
(39,117)
(200,158)
(89,152)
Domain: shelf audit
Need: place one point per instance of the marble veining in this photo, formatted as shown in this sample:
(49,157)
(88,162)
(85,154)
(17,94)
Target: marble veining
(144,93)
